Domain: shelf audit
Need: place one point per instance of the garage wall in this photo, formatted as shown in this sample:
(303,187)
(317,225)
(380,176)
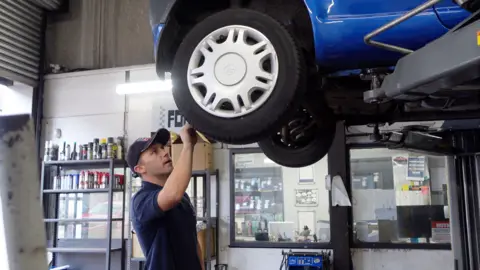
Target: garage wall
(101,34)
(84,105)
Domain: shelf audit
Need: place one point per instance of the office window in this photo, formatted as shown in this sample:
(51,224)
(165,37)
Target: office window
(399,197)
(275,204)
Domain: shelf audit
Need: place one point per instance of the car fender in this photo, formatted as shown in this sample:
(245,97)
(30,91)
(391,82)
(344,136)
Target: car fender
(159,18)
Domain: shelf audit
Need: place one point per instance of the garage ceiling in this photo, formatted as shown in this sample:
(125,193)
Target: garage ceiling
(21,37)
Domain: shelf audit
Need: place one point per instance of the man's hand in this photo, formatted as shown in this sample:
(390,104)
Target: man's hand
(188,135)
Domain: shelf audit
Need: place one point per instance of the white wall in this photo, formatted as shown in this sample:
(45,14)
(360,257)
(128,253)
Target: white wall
(85,105)
(16,99)
(377,259)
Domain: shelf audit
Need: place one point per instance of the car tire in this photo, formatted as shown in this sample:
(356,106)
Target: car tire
(308,153)
(283,99)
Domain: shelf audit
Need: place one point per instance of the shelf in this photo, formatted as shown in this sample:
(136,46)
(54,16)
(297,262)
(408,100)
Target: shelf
(75,164)
(80,250)
(70,191)
(256,192)
(257,212)
(137,259)
(79,220)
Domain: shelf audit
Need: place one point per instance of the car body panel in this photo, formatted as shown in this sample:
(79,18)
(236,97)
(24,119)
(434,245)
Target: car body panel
(450,14)
(339,27)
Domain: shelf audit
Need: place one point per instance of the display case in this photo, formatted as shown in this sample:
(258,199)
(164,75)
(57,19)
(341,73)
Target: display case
(264,204)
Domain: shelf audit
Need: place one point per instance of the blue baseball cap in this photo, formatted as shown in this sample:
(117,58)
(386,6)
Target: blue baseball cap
(162,136)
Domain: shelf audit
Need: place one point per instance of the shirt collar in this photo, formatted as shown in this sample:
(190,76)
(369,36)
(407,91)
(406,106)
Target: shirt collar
(149,185)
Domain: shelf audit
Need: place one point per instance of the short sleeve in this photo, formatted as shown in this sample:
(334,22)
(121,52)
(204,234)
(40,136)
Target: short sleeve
(145,206)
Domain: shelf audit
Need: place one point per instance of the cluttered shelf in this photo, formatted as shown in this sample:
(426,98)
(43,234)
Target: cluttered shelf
(90,164)
(71,191)
(80,250)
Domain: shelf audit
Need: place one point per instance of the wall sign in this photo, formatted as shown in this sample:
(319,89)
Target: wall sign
(441,231)
(306,176)
(306,197)
(165,114)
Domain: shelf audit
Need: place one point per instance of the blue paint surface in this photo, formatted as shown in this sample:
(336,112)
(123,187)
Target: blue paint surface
(339,27)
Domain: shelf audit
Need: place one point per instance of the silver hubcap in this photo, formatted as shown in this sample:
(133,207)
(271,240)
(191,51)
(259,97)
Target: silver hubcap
(233,71)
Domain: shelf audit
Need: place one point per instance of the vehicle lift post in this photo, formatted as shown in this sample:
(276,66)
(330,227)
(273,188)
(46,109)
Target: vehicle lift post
(21,205)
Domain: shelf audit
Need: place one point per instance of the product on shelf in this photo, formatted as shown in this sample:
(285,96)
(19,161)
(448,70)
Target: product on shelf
(105,148)
(86,180)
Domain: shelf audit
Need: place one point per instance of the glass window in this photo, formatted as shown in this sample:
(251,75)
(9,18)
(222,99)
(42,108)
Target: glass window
(278,204)
(399,197)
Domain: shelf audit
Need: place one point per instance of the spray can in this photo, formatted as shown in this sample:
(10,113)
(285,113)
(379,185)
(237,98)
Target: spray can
(55,182)
(110,148)
(119,154)
(90,151)
(82,180)
(69,152)
(103,180)
(76,181)
(96,150)
(103,144)
(85,151)
(91,180)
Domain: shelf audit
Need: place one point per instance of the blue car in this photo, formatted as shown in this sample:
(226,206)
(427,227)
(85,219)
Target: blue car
(281,72)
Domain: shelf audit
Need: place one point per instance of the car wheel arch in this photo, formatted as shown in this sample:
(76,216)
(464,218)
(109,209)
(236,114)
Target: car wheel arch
(174,31)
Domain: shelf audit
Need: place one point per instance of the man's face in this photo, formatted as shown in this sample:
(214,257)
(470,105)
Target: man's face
(155,161)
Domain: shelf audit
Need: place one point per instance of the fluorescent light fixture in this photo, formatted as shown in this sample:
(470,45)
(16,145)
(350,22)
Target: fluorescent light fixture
(144,87)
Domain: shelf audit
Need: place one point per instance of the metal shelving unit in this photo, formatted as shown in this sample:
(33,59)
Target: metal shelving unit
(79,245)
(211,221)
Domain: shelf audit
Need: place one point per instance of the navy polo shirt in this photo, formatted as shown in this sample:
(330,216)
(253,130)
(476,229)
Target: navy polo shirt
(168,239)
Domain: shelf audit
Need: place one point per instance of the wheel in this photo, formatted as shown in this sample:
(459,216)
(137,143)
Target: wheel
(303,140)
(237,76)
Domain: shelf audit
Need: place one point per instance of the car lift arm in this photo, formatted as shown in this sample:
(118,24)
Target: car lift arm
(415,139)
(368,38)
(443,64)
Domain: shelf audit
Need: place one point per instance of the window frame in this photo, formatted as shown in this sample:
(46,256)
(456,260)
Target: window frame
(380,245)
(263,244)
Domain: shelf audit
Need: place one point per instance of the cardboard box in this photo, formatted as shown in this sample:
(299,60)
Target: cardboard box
(202,153)
(202,237)
(136,248)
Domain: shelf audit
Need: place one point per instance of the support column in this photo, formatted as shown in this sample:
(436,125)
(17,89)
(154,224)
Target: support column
(340,230)
(20,195)
(456,226)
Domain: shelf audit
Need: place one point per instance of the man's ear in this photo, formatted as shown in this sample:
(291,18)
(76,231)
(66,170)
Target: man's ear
(139,169)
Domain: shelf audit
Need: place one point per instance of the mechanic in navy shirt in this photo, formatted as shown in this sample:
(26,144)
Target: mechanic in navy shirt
(161,212)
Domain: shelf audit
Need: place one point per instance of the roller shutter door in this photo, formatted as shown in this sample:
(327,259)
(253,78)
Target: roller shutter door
(20,38)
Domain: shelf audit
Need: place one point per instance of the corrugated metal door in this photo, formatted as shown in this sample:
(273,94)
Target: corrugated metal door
(20,41)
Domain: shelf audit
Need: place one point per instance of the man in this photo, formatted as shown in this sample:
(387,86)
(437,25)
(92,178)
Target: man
(162,214)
